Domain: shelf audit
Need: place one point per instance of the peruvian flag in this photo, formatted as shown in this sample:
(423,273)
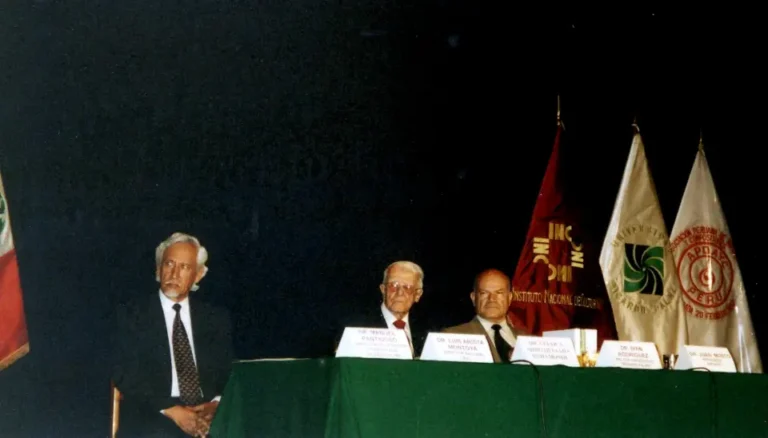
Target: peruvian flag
(558,284)
(13,326)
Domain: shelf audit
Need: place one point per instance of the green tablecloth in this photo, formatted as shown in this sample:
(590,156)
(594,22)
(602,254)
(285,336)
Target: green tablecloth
(339,398)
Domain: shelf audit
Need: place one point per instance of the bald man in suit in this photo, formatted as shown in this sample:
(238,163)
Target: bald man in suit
(491,296)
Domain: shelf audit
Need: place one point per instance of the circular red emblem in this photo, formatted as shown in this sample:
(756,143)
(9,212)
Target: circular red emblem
(706,274)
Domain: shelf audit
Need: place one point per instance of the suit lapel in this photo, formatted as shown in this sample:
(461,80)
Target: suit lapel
(197,315)
(478,328)
(413,342)
(157,330)
(382,320)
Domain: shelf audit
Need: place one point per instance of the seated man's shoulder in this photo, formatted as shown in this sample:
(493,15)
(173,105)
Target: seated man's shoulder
(211,309)
(134,307)
(461,328)
(369,318)
(520,331)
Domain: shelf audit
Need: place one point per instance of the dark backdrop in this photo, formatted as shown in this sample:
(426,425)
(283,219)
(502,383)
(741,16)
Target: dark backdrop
(310,143)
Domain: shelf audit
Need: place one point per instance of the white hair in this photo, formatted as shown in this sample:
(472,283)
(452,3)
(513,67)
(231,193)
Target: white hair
(410,266)
(202,253)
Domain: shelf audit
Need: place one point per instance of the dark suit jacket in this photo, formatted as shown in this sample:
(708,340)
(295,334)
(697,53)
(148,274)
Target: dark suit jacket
(142,358)
(475,327)
(375,319)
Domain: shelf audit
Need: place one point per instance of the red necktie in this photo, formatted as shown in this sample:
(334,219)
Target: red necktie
(401,325)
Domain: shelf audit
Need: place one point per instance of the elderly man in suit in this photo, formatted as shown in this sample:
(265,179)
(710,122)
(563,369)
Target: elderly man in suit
(401,287)
(491,296)
(173,353)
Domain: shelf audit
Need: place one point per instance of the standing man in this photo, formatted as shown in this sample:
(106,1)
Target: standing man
(173,353)
(491,296)
(401,287)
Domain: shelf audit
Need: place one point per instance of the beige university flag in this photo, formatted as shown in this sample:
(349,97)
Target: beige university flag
(638,268)
(713,291)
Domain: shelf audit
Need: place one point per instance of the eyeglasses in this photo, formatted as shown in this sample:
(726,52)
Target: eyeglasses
(394,286)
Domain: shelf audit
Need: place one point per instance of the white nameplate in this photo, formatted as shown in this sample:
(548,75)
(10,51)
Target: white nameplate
(545,351)
(717,359)
(629,354)
(374,343)
(584,340)
(454,347)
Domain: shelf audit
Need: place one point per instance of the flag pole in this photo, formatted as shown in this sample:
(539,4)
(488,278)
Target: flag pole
(701,140)
(559,119)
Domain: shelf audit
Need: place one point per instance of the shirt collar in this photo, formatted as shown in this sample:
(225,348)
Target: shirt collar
(168,303)
(390,318)
(488,324)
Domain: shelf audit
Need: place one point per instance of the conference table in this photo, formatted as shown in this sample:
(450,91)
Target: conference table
(362,398)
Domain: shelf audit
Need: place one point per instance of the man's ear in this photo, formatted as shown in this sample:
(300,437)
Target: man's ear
(509,298)
(200,274)
(472,297)
(418,294)
(383,291)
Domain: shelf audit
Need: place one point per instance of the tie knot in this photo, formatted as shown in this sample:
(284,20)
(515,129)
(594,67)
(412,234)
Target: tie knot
(496,327)
(399,324)
(177,307)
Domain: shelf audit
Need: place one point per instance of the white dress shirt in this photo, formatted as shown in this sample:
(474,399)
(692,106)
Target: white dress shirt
(186,319)
(506,331)
(390,319)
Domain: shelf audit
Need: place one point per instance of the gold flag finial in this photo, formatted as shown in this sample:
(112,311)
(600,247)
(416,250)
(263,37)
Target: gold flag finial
(635,125)
(560,123)
(701,139)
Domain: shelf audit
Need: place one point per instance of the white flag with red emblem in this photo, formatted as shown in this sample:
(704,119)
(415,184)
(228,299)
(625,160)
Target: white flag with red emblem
(13,326)
(714,297)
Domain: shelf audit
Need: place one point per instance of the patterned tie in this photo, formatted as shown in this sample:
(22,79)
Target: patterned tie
(189,386)
(501,345)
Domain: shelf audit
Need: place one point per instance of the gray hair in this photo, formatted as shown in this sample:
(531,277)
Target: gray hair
(202,253)
(410,266)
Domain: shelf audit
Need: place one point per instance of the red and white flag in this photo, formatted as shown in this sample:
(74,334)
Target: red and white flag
(714,298)
(558,284)
(14,342)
